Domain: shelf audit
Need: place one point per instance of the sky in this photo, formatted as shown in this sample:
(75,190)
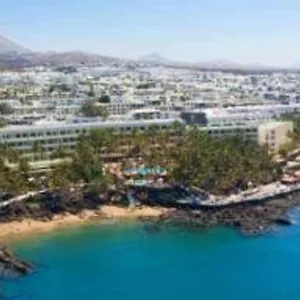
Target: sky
(244,31)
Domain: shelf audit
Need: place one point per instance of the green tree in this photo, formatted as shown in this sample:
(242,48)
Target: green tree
(90,109)
(6,109)
(38,151)
(104,99)
(59,153)
(91,92)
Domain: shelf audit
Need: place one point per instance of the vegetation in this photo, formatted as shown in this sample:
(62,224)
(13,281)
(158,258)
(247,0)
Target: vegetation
(104,99)
(3,122)
(85,167)
(90,109)
(13,180)
(191,157)
(60,88)
(91,92)
(66,69)
(222,166)
(38,151)
(295,118)
(294,136)
(59,153)
(5,109)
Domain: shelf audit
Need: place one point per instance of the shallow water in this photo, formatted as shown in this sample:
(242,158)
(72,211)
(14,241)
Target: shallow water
(125,261)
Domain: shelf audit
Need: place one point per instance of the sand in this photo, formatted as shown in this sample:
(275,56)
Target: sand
(17,230)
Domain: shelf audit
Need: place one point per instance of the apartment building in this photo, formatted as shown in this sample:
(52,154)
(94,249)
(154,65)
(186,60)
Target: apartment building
(51,135)
(274,134)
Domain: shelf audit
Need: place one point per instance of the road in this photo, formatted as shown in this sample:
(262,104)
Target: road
(22,197)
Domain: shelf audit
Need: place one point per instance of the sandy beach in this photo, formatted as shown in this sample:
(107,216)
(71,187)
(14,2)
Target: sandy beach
(17,230)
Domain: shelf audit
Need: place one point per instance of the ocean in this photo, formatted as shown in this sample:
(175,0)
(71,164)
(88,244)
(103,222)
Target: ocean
(126,261)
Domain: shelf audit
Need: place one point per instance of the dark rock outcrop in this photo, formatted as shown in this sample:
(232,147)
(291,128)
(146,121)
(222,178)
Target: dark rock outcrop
(248,218)
(11,266)
(285,221)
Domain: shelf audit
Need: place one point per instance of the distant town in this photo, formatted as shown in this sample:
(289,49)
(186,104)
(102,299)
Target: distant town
(53,105)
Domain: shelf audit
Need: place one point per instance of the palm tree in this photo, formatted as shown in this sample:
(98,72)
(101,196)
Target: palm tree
(37,150)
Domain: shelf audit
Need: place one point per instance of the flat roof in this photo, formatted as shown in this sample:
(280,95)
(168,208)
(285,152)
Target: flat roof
(245,110)
(276,123)
(104,124)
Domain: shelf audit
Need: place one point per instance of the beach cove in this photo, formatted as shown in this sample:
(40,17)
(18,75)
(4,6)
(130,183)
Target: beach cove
(250,218)
(17,230)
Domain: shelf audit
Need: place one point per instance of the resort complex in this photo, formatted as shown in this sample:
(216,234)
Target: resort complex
(52,107)
(51,134)
(136,125)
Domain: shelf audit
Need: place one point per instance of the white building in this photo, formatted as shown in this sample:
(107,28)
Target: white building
(51,135)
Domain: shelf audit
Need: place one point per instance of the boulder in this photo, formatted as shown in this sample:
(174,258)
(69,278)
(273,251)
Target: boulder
(11,266)
(285,221)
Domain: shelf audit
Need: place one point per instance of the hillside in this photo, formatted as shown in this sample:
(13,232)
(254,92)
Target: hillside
(9,46)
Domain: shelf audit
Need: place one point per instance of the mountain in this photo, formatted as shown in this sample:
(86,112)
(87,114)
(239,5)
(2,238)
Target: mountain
(219,64)
(154,57)
(67,58)
(13,60)
(9,46)
(15,56)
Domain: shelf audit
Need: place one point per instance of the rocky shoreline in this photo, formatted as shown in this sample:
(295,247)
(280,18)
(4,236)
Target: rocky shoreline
(11,266)
(249,218)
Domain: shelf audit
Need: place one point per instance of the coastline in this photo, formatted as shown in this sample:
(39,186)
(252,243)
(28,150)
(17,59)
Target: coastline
(250,218)
(15,230)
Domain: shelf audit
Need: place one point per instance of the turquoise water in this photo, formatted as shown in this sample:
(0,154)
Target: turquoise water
(125,261)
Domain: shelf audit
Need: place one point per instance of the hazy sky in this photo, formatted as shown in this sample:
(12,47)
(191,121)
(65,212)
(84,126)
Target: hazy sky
(248,31)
